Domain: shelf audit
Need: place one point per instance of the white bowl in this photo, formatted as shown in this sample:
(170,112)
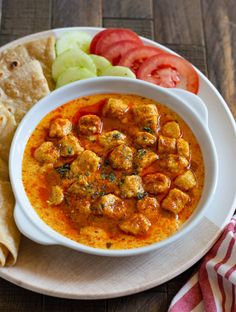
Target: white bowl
(189,106)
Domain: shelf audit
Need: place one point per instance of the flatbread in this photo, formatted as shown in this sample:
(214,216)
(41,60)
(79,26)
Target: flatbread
(42,50)
(19,91)
(9,234)
(23,88)
(7,129)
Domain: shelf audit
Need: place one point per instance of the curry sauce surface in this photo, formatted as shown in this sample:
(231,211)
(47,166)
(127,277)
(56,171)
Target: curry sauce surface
(95,229)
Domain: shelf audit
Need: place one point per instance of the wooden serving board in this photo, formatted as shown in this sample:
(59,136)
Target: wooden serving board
(62,272)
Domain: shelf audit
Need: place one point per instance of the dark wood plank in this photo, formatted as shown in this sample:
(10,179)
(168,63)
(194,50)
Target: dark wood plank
(25,17)
(174,285)
(52,304)
(16,299)
(141,27)
(128,8)
(0,14)
(220,32)
(178,21)
(76,13)
(146,301)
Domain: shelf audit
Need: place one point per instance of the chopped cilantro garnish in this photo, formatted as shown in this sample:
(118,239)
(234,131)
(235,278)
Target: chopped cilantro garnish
(69,150)
(147,129)
(63,169)
(103,175)
(111,177)
(141,153)
(140,195)
(116,135)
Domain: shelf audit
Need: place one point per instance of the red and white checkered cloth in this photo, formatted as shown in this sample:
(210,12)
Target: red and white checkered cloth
(213,287)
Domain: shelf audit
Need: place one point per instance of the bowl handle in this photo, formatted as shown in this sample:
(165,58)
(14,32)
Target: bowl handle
(26,227)
(194,102)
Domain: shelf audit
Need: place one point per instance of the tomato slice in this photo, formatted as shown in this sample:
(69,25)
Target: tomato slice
(97,37)
(135,57)
(116,50)
(115,35)
(169,71)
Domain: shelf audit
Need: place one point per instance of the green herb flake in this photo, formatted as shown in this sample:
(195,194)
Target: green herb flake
(102,193)
(141,153)
(63,170)
(140,195)
(111,177)
(116,135)
(87,173)
(69,150)
(103,175)
(149,130)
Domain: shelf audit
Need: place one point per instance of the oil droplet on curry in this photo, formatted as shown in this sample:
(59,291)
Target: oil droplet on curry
(113,171)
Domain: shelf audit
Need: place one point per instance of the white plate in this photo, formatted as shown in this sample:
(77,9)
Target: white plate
(64,273)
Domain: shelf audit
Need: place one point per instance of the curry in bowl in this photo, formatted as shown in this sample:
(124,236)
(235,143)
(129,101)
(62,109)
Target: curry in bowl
(113,171)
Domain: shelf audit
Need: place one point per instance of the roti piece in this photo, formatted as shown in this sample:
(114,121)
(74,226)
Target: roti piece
(42,50)
(12,59)
(23,88)
(7,129)
(9,234)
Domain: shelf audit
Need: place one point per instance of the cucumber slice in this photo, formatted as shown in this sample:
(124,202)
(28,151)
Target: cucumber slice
(100,62)
(121,71)
(73,74)
(72,58)
(73,39)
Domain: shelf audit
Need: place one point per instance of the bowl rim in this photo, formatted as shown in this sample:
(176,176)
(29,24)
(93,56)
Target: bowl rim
(59,239)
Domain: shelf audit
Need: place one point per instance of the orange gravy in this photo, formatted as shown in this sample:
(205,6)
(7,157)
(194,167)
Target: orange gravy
(94,230)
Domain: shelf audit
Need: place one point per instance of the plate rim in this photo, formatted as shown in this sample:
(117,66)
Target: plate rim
(4,273)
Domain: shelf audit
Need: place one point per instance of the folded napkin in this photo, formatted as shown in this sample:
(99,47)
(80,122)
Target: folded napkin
(213,287)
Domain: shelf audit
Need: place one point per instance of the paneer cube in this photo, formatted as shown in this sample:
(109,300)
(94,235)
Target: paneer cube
(171,129)
(144,139)
(111,139)
(69,145)
(115,108)
(121,157)
(89,124)
(144,158)
(111,206)
(156,183)
(132,187)
(87,161)
(175,201)
(138,224)
(146,116)
(82,187)
(57,196)
(173,163)
(183,148)
(60,127)
(150,207)
(186,181)
(166,145)
(47,152)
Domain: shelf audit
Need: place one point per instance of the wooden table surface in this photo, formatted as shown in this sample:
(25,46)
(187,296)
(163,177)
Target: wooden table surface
(203,31)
